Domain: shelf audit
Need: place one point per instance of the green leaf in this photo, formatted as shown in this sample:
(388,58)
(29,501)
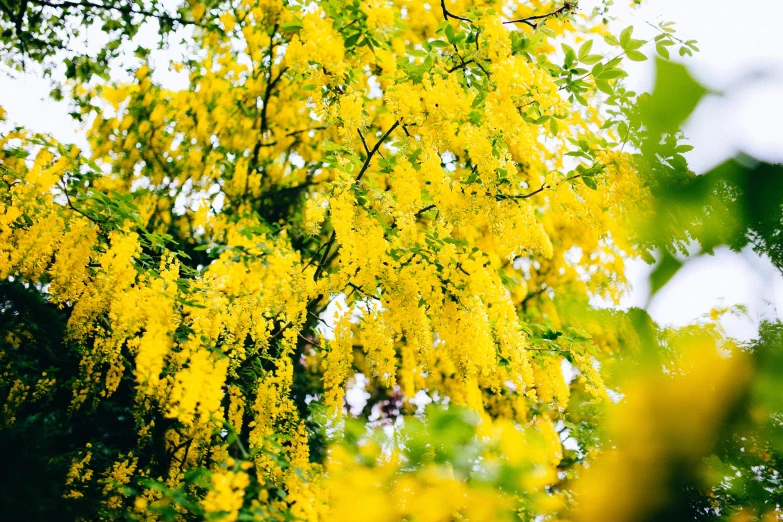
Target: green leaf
(674,97)
(451,36)
(584,50)
(330,145)
(625,36)
(636,56)
(612,74)
(633,45)
(665,270)
(570,56)
(352,40)
(604,87)
(290,27)
(591,59)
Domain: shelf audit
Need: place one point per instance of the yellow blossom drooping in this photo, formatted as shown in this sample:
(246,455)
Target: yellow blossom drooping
(343,207)
(226,495)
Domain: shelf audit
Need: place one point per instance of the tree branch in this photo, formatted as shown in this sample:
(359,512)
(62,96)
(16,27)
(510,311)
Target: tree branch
(294,133)
(447,14)
(365,166)
(463,65)
(425,209)
(322,262)
(501,197)
(364,142)
(531,20)
(314,256)
(543,187)
(371,153)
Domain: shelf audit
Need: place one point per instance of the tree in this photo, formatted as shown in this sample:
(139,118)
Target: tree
(420,198)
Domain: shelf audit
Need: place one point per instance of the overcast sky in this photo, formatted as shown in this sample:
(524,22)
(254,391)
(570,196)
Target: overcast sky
(741,56)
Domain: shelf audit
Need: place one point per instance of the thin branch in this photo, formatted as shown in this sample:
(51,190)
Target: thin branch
(288,135)
(270,85)
(501,197)
(463,65)
(294,133)
(75,209)
(367,161)
(322,262)
(364,142)
(314,256)
(543,187)
(20,17)
(358,289)
(268,94)
(533,295)
(425,209)
(531,20)
(319,319)
(447,14)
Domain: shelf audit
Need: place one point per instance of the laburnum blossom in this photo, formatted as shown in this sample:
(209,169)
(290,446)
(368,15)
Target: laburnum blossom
(344,209)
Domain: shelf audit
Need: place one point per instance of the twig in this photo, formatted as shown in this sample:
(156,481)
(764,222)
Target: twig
(371,153)
(447,14)
(501,197)
(463,65)
(294,133)
(358,289)
(322,262)
(314,256)
(530,20)
(543,187)
(74,208)
(425,209)
(366,149)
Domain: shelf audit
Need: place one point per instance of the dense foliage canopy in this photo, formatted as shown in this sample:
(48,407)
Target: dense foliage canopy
(351,272)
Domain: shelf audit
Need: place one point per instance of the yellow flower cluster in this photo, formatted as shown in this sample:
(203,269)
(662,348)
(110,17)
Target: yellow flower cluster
(229,216)
(78,474)
(225,499)
(337,364)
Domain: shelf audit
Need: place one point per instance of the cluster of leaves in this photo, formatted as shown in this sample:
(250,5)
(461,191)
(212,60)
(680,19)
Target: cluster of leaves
(47,31)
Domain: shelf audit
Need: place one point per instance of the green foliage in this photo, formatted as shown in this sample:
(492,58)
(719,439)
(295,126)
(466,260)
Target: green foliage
(47,31)
(673,99)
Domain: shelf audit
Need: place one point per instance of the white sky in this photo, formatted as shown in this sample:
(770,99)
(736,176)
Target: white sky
(741,55)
